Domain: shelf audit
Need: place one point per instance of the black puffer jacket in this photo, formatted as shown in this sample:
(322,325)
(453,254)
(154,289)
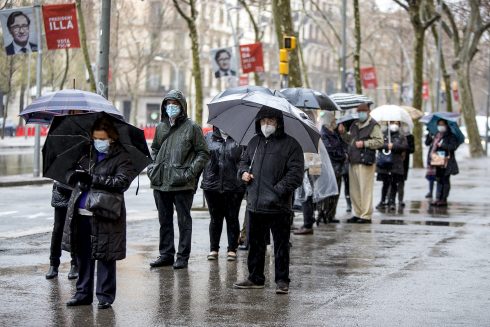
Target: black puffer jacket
(60,195)
(221,170)
(278,168)
(400,146)
(113,174)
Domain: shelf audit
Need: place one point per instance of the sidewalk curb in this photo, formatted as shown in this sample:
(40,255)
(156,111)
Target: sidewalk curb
(36,181)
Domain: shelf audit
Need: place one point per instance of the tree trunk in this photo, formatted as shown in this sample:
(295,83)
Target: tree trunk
(357,52)
(418,79)
(466,100)
(196,72)
(67,66)
(83,44)
(445,76)
(281,10)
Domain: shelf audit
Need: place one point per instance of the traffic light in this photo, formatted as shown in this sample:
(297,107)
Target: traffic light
(283,62)
(289,42)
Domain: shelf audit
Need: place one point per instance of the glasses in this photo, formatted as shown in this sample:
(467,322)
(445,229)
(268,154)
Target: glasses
(224,59)
(17,28)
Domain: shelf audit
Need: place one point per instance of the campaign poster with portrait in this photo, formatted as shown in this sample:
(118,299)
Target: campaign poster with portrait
(223,62)
(19,30)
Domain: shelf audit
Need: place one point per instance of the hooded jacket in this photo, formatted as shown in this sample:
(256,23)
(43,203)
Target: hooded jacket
(179,151)
(220,172)
(114,174)
(277,167)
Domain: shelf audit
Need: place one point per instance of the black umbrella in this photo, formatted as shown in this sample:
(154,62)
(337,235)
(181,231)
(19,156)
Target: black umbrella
(347,120)
(69,138)
(305,98)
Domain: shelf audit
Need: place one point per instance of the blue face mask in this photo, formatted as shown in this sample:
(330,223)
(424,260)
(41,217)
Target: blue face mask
(363,116)
(172,110)
(102,146)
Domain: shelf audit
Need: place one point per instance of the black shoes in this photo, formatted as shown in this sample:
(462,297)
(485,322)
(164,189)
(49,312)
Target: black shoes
(303,231)
(162,261)
(382,205)
(282,287)
(103,305)
(73,274)
(76,302)
(392,207)
(52,272)
(247,284)
(353,220)
(180,264)
(333,221)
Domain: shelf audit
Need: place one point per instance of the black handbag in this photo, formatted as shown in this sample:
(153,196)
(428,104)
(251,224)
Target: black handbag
(384,160)
(368,157)
(105,204)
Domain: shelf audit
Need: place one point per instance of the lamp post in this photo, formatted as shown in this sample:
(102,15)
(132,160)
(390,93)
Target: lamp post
(39,75)
(344,45)
(438,67)
(235,38)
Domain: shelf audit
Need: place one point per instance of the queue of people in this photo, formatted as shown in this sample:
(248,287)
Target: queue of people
(266,172)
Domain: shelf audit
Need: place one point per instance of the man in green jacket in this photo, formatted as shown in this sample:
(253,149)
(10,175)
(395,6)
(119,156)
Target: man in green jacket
(180,153)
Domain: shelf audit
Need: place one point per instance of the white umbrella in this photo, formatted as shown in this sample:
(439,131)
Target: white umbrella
(389,112)
(235,114)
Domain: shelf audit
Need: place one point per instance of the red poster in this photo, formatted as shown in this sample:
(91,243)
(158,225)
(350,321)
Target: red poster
(243,80)
(60,24)
(425,91)
(252,58)
(368,77)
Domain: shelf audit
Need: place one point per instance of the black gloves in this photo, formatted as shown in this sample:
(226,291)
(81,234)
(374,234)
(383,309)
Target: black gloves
(82,177)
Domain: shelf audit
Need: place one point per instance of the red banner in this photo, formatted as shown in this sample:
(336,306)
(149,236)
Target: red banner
(425,91)
(243,80)
(252,58)
(60,24)
(368,77)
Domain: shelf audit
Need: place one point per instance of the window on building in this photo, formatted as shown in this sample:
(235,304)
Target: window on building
(153,78)
(155,16)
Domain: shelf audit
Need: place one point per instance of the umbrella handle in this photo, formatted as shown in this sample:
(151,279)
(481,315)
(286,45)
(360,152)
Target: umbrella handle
(386,152)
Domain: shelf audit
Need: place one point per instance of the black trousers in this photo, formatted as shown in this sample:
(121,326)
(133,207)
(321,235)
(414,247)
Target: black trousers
(56,238)
(329,205)
(443,184)
(105,289)
(308,212)
(165,202)
(224,206)
(260,224)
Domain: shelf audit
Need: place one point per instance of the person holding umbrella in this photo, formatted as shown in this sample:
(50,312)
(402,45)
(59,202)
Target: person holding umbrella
(272,168)
(223,191)
(95,229)
(364,138)
(442,157)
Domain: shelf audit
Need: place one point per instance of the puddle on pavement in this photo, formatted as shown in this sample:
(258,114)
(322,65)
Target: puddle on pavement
(418,222)
(16,163)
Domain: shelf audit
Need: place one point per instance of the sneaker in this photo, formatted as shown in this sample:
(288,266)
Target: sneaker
(213,255)
(303,231)
(231,256)
(247,284)
(353,220)
(282,287)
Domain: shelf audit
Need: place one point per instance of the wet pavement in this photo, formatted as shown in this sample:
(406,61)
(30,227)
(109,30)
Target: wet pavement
(420,266)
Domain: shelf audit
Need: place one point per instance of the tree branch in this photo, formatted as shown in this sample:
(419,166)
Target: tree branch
(431,21)
(454,27)
(401,4)
(484,27)
(181,12)
(317,7)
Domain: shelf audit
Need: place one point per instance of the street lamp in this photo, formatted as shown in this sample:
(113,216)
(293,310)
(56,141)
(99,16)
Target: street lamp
(235,37)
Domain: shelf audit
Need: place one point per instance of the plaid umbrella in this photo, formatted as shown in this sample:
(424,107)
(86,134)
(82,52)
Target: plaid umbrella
(244,89)
(348,101)
(43,109)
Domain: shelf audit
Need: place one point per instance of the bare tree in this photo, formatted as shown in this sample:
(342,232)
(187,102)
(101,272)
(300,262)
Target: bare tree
(465,44)
(419,25)
(191,20)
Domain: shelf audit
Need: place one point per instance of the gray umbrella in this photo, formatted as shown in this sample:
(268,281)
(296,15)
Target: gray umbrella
(349,101)
(305,98)
(244,89)
(43,109)
(235,114)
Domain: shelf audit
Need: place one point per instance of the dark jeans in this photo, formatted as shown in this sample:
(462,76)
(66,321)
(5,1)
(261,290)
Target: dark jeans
(260,224)
(443,184)
(56,238)
(165,202)
(106,270)
(308,212)
(227,206)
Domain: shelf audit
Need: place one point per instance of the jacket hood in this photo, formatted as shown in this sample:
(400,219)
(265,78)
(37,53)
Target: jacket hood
(267,112)
(174,95)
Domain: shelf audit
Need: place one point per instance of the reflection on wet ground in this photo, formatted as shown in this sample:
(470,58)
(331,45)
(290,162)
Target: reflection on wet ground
(16,163)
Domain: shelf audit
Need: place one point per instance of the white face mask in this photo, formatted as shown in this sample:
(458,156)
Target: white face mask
(441,129)
(223,134)
(394,128)
(267,130)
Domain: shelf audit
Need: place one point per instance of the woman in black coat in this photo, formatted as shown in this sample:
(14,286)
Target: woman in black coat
(444,144)
(59,201)
(223,191)
(96,219)
(391,174)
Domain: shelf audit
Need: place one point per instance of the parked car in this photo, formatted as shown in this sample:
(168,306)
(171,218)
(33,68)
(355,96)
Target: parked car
(9,127)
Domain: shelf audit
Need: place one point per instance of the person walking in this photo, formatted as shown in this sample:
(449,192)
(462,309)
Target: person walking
(223,191)
(391,171)
(364,138)
(59,201)
(443,159)
(272,167)
(180,153)
(92,235)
